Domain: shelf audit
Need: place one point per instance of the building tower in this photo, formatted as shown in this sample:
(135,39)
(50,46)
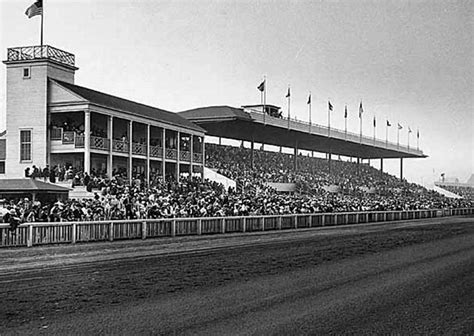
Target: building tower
(27,119)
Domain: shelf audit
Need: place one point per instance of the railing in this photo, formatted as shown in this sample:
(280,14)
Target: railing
(197,157)
(68,137)
(79,141)
(171,154)
(56,133)
(100,143)
(120,146)
(138,148)
(185,156)
(30,234)
(156,151)
(40,52)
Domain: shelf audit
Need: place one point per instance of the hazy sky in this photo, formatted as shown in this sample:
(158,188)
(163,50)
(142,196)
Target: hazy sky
(410,62)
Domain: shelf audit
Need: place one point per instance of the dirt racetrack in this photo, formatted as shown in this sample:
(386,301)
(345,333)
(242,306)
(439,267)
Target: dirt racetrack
(406,277)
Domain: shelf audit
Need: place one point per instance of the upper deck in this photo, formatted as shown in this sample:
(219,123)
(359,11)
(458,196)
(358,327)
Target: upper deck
(43,52)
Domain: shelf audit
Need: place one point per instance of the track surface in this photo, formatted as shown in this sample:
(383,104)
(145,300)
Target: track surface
(399,278)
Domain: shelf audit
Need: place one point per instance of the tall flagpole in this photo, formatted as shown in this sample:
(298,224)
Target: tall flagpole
(329,119)
(361,111)
(42,14)
(417,139)
(375,126)
(288,95)
(345,122)
(264,97)
(309,110)
(386,133)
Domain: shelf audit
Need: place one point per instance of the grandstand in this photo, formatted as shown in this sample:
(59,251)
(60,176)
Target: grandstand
(136,161)
(465,190)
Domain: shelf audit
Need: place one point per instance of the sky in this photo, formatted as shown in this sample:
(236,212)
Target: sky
(410,62)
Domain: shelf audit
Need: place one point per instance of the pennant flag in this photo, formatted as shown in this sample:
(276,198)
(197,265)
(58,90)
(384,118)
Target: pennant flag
(400,126)
(288,94)
(418,134)
(345,112)
(261,87)
(375,123)
(329,106)
(35,9)
(388,123)
(361,109)
(309,99)
(409,130)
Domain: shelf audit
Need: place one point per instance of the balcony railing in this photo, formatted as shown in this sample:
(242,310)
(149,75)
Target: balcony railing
(138,148)
(185,156)
(156,151)
(40,52)
(120,146)
(197,157)
(100,143)
(56,133)
(79,141)
(171,154)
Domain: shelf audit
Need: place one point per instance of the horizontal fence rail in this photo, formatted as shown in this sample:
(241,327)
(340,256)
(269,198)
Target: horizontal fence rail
(41,233)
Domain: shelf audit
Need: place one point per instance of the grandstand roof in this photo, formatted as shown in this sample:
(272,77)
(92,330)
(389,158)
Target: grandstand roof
(128,106)
(237,123)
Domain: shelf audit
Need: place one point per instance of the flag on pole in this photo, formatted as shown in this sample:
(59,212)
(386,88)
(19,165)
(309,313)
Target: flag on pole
(409,130)
(309,99)
(361,109)
(400,126)
(375,123)
(345,112)
(388,123)
(329,106)
(418,134)
(35,9)
(288,94)
(261,87)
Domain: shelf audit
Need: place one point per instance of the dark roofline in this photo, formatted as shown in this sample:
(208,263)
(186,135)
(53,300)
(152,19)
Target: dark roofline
(167,117)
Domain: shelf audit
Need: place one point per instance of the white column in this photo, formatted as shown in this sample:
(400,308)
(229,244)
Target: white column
(87,141)
(148,155)
(110,135)
(191,151)
(130,145)
(178,156)
(163,162)
(203,157)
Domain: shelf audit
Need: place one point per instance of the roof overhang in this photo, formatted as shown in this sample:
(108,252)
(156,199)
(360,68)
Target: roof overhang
(233,123)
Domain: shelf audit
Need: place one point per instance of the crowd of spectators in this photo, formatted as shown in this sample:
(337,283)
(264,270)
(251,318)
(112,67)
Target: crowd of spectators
(359,188)
(465,191)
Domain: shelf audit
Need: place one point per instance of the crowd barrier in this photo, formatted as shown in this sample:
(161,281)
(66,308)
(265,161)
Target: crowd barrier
(41,233)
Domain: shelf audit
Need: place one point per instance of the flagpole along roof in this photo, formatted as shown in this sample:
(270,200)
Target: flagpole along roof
(237,123)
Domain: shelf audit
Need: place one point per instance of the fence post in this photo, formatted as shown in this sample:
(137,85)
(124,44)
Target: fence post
(29,242)
(222,225)
(322,219)
(199,227)
(244,224)
(296,221)
(111,231)
(173,228)
(144,230)
(73,233)
(279,223)
(310,221)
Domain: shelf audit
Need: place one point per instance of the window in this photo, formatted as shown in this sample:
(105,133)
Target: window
(26,73)
(2,167)
(25,145)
